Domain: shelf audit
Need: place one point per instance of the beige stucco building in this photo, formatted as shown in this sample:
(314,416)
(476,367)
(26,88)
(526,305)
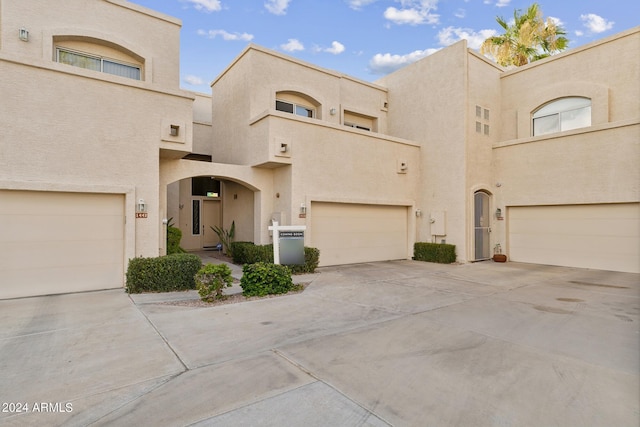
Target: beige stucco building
(101,147)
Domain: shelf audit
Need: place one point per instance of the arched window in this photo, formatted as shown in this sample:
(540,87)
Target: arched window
(296,103)
(98,55)
(562,114)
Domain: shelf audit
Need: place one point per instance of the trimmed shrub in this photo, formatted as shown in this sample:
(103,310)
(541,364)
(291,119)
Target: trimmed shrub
(249,253)
(174,235)
(162,274)
(434,252)
(262,279)
(311,260)
(211,280)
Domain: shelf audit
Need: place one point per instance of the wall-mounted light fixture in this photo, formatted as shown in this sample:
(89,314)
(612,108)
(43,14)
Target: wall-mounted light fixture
(333,111)
(303,209)
(174,130)
(418,213)
(23,34)
(498,213)
(141,206)
(181,206)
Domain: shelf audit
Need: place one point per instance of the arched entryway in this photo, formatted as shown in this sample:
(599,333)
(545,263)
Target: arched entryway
(198,204)
(224,193)
(481,225)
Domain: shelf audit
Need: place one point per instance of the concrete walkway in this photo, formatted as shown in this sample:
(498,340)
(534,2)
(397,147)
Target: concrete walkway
(398,343)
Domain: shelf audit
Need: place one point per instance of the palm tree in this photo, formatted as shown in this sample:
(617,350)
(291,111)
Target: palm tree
(528,39)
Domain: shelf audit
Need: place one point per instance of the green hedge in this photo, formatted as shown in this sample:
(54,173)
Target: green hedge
(174,235)
(162,274)
(249,253)
(311,260)
(263,278)
(434,252)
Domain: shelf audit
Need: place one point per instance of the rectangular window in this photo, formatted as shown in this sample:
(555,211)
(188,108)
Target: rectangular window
(478,127)
(478,111)
(195,217)
(97,63)
(298,110)
(304,111)
(287,107)
(486,114)
(486,129)
(546,124)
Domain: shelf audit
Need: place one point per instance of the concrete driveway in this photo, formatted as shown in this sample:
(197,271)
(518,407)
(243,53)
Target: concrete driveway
(398,343)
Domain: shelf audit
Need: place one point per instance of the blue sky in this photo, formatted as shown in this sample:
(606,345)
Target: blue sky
(363,38)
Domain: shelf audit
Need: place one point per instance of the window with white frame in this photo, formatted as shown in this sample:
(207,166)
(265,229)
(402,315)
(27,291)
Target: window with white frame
(359,121)
(97,63)
(294,108)
(561,115)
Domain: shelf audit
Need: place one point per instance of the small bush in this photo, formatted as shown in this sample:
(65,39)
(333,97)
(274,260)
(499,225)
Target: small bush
(162,274)
(211,280)
(262,279)
(249,253)
(311,260)
(174,235)
(434,252)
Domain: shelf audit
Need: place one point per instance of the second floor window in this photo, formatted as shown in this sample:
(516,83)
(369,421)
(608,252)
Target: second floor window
(97,63)
(293,108)
(562,114)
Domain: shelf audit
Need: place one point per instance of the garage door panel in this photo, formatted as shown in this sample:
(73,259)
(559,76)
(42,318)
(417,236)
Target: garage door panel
(53,242)
(59,228)
(37,281)
(604,236)
(349,233)
(24,255)
(568,226)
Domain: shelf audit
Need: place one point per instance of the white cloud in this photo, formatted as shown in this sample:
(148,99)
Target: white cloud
(579,33)
(193,80)
(358,4)
(450,35)
(460,13)
(292,45)
(503,3)
(383,63)
(277,7)
(596,24)
(212,34)
(336,48)
(206,5)
(413,12)
(557,21)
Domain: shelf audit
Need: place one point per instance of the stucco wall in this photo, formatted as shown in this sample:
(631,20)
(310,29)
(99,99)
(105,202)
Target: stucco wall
(152,35)
(607,71)
(72,129)
(428,104)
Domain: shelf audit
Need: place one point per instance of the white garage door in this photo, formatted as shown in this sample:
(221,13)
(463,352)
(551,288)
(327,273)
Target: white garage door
(53,242)
(349,233)
(603,237)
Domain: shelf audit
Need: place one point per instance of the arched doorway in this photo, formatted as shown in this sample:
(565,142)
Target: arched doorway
(200,203)
(481,225)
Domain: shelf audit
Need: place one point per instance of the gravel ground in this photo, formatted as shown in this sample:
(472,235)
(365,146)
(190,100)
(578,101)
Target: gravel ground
(230,299)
